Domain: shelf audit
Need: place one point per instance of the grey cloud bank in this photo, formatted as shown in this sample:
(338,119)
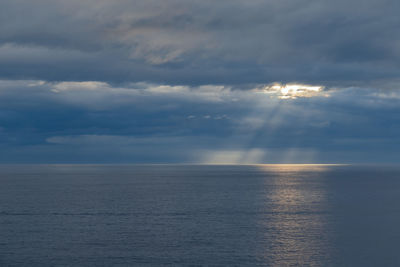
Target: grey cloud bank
(338,43)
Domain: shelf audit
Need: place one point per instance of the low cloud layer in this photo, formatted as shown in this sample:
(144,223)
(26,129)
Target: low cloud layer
(89,122)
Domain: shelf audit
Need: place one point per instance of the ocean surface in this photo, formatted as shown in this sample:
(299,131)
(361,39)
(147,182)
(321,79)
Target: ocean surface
(199,215)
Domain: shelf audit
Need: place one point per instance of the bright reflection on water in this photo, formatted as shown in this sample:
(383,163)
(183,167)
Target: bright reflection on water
(182,215)
(295,219)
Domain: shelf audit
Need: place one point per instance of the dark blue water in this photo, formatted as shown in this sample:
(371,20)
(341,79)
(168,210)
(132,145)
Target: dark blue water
(156,215)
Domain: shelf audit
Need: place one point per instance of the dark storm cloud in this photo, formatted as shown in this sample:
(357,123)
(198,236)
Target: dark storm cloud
(337,43)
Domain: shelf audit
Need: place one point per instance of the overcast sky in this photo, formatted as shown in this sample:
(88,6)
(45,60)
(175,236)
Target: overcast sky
(184,81)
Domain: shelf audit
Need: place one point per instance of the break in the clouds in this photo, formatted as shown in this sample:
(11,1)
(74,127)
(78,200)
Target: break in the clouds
(187,42)
(277,81)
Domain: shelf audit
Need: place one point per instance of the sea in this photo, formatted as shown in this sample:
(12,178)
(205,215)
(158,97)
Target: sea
(199,215)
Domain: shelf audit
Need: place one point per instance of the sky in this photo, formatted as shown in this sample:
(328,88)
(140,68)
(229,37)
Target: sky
(184,81)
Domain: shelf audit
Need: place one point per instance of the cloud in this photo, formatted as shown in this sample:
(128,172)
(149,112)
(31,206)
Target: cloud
(95,121)
(202,81)
(178,42)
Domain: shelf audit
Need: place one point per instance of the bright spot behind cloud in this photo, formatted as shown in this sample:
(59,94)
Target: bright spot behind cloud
(293,91)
